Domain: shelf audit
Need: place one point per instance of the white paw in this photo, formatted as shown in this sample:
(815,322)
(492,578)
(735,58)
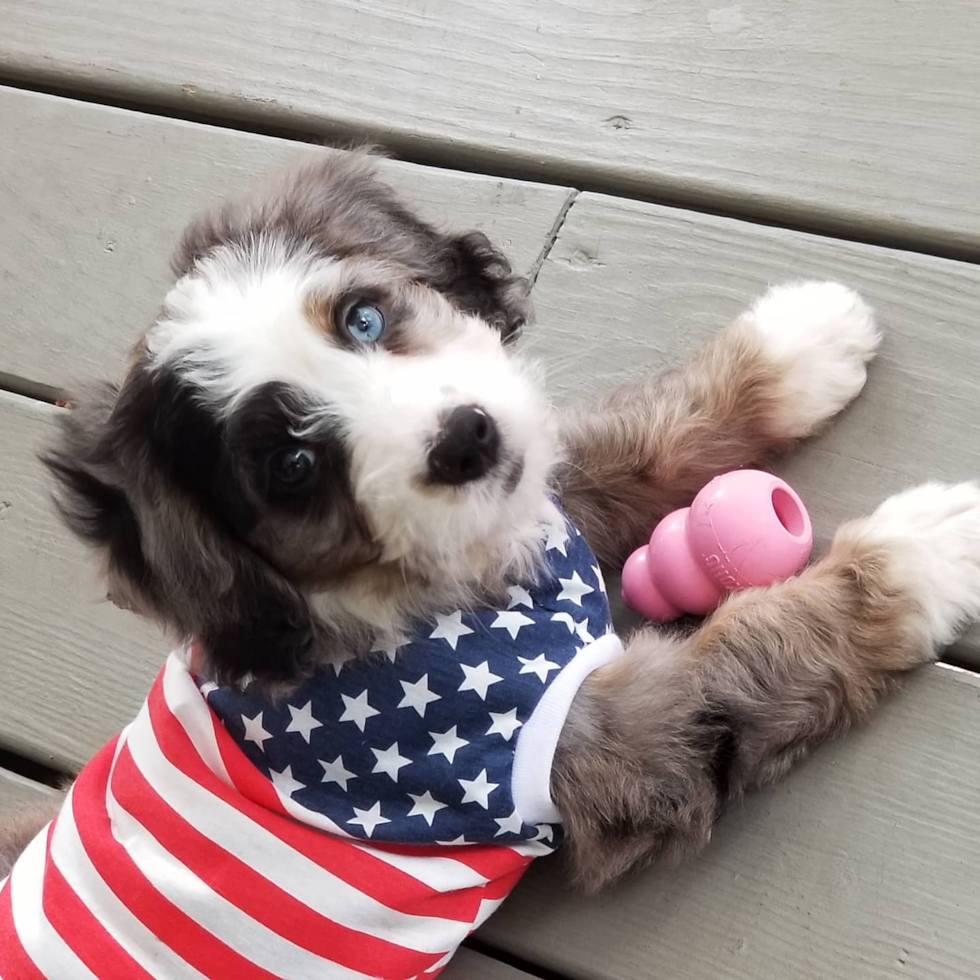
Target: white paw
(822,336)
(933,531)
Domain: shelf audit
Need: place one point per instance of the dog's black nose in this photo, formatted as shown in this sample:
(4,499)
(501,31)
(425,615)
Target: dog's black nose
(467,447)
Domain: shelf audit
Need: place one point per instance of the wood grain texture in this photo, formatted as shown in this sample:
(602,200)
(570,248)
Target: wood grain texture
(16,789)
(467,965)
(863,864)
(862,117)
(628,285)
(94,200)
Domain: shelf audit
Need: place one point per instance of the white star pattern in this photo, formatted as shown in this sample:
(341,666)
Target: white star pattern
(303,721)
(369,819)
(425,806)
(254,732)
(583,631)
(573,589)
(338,660)
(336,772)
(557,539)
(447,744)
(389,646)
(415,738)
(511,621)
(478,678)
(357,709)
(509,825)
(389,761)
(539,666)
(478,790)
(450,628)
(418,695)
(504,723)
(519,596)
(565,618)
(284,782)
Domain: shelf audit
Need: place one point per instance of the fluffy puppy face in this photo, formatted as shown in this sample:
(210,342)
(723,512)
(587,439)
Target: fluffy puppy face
(338,383)
(322,436)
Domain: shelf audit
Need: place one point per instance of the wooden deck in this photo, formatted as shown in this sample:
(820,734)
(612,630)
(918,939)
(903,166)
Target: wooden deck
(653,166)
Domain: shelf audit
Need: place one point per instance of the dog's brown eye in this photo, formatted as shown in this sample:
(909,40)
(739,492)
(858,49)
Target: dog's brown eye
(293,467)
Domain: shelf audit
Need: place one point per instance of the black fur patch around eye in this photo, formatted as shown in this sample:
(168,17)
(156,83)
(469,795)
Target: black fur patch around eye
(269,420)
(222,463)
(187,442)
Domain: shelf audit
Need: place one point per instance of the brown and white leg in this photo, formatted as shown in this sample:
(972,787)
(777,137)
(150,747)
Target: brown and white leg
(772,377)
(658,742)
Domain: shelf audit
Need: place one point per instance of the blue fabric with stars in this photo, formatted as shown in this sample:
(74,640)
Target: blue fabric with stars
(416,743)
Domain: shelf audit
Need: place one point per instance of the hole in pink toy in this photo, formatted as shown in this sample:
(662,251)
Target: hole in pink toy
(788,511)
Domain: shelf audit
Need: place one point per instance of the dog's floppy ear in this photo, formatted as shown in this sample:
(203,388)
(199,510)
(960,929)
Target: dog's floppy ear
(166,554)
(477,277)
(93,502)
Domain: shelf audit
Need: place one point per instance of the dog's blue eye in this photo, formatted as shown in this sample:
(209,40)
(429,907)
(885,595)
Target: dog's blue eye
(292,467)
(365,323)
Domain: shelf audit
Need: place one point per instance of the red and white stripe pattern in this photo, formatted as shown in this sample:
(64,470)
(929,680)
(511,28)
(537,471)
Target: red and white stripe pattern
(174,858)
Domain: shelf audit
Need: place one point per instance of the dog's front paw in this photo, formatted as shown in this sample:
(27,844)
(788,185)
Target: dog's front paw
(932,533)
(821,336)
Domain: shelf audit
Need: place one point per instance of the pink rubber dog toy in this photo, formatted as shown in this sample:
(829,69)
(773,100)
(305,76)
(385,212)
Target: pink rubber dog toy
(744,528)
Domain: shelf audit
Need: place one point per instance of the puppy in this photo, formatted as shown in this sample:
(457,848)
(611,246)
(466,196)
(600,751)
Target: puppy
(330,475)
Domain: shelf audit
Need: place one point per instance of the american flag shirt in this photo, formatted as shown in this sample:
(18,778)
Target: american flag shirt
(360,828)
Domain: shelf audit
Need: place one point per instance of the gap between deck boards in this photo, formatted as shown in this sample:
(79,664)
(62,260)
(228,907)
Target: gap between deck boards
(509,959)
(32,769)
(442,154)
(30,389)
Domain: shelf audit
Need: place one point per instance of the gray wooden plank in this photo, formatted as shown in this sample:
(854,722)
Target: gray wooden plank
(16,789)
(94,200)
(630,284)
(857,116)
(468,965)
(862,864)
